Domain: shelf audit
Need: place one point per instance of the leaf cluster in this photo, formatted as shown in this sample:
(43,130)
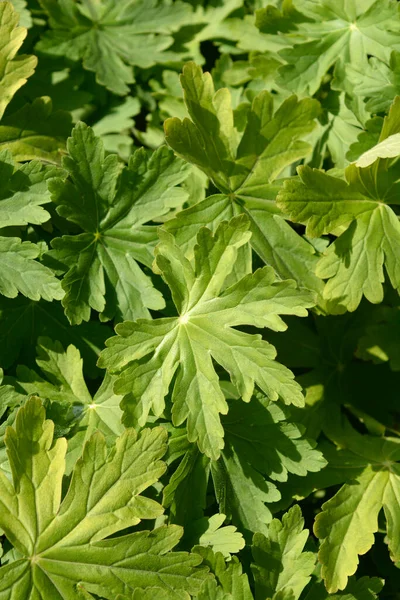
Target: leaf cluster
(199,299)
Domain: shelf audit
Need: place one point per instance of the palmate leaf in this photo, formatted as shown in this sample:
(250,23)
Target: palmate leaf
(325,349)
(262,447)
(61,544)
(21,273)
(245,169)
(348,521)
(329,31)
(62,382)
(338,131)
(111,204)
(378,82)
(23,191)
(358,208)
(281,568)
(202,331)
(14,70)
(110,36)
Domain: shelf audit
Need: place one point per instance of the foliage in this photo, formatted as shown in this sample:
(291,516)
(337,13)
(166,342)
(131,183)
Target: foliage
(199,299)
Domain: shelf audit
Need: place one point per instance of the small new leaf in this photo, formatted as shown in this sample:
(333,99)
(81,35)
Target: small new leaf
(229,575)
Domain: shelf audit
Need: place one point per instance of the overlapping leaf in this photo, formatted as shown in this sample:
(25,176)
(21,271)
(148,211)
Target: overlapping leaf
(281,567)
(233,584)
(61,543)
(244,169)
(14,70)
(23,321)
(36,132)
(23,192)
(62,382)
(262,447)
(110,36)
(358,209)
(327,32)
(349,520)
(204,330)
(378,82)
(111,204)
(381,340)
(365,588)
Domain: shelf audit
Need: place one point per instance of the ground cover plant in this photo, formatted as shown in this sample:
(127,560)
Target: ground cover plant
(199,299)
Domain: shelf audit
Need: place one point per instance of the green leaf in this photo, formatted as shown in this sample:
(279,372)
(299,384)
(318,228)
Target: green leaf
(379,82)
(366,139)
(20,273)
(243,493)
(23,321)
(110,204)
(229,575)
(332,31)
(62,542)
(357,210)
(23,192)
(388,148)
(204,329)
(110,36)
(349,520)
(212,591)
(244,168)
(64,384)
(338,131)
(14,70)
(210,532)
(365,588)
(262,445)
(24,14)
(381,340)
(35,131)
(149,594)
(185,493)
(325,350)
(280,564)
(115,127)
